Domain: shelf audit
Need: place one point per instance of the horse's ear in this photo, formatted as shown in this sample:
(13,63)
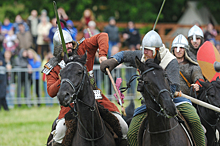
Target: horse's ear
(157,58)
(84,57)
(138,62)
(65,58)
(218,80)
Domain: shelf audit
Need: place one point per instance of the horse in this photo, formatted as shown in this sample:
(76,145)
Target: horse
(210,93)
(162,128)
(75,86)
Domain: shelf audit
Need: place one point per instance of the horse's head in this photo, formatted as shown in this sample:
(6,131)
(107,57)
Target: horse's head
(211,92)
(72,78)
(155,88)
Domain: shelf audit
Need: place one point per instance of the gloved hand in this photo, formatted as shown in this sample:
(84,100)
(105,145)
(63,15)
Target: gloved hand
(110,64)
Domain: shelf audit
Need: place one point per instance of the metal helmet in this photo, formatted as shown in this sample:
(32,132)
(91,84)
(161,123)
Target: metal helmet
(180,41)
(194,32)
(151,41)
(57,41)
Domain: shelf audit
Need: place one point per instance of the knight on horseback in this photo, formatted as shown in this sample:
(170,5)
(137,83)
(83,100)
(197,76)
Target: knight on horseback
(190,72)
(151,47)
(53,67)
(196,43)
(190,75)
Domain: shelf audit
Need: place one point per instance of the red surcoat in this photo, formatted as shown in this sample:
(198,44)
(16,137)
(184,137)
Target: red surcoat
(91,45)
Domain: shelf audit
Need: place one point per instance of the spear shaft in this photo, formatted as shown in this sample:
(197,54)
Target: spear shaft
(161,8)
(60,29)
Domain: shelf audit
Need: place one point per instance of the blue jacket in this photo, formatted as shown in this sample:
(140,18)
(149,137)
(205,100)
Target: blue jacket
(51,33)
(36,64)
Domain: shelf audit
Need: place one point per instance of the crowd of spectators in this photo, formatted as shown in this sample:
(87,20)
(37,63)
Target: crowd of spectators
(28,43)
(24,44)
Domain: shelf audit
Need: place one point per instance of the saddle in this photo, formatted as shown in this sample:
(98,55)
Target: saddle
(185,126)
(111,122)
(181,121)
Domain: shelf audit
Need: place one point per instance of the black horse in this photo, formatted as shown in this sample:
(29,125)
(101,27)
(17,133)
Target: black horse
(211,94)
(162,128)
(75,86)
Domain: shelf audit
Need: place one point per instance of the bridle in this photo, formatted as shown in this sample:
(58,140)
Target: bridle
(76,90)
(162,112)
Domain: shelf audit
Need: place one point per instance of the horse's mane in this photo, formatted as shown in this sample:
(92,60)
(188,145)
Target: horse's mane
(75,58)
(150,63)
(216,83)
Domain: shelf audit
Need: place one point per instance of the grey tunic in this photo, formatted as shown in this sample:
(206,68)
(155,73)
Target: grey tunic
(191,72)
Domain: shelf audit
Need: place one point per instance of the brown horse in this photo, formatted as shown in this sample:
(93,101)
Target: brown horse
(75,86)
(162,128)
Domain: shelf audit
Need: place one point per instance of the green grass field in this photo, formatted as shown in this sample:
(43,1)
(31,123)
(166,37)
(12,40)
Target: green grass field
(29,126)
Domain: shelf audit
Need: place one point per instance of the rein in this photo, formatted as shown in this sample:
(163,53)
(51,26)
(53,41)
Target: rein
(162,112)
(123,89)
(76,90)
(163,131)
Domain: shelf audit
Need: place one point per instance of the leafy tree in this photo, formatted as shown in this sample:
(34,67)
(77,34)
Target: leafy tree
(213,6)
(123,10)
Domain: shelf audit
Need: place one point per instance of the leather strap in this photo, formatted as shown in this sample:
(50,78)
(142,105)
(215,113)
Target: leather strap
(187,82)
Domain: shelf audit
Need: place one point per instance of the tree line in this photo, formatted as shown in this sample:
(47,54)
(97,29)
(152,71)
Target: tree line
(123,10)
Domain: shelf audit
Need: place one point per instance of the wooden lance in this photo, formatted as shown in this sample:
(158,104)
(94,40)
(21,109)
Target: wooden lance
(199,102)
(116,91)
(113,83)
